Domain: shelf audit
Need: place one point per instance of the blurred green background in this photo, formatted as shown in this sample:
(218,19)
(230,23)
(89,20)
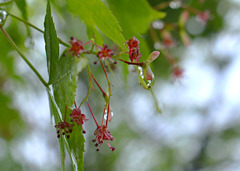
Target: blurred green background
(199,126)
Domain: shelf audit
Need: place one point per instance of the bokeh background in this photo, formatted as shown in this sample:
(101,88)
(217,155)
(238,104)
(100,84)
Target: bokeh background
(199,128)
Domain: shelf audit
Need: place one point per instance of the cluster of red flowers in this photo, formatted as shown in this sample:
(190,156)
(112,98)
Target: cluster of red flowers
(65,128)
(103,53)
(133,46)
(101,134)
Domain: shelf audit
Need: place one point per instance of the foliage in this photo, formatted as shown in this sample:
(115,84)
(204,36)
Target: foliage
(135,31)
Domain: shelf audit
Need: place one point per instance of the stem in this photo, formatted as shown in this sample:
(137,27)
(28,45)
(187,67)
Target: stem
(161,6)
(24,58)
(114,76)
(153,34)
(103,114)
(36,28)
(191,9)
(103,92)
(155,101)
(75,104)
(109,84)
(131,63)
(108,111)
(104,72)
(92,113)
(89,87)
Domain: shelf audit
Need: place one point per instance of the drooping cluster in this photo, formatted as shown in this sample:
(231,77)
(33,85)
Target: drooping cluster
(78,117)
(104,54)
(77,46)
(65,128)
(103,134)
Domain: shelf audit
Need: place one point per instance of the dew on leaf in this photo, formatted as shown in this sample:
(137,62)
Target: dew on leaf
(144,76)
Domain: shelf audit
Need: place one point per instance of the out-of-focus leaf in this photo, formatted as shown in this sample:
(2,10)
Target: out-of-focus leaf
(22,6)
(9,116)
(95,14)
(136,15)
(52,44)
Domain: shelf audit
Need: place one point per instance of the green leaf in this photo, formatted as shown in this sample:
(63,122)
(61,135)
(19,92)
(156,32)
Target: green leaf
(52,44)
(21,4)
(63,74)
(55,114)
(134,15)
(64,94)
(8,117)
(96,14)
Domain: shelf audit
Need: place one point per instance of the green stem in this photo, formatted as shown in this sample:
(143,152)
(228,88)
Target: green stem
(89,86)
(24,58)
(36,28)
(162,5)
(155,101)
(108,111)
(114,76)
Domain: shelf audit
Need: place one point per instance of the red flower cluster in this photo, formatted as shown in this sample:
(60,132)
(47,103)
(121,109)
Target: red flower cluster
(133,46)
(78,117)
(104,52)
(102,133)
(64,127)
(77,46)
